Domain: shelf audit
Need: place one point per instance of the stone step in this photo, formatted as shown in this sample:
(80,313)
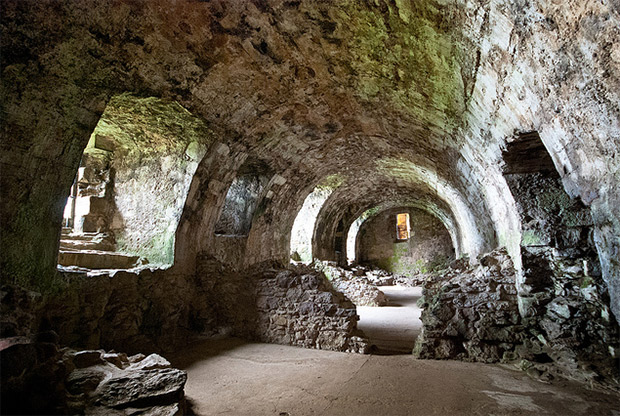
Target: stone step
(82,236)
(95,259)
(76,245)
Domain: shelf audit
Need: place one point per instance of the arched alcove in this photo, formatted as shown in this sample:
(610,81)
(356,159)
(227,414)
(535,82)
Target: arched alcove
(243,197)
(305,221)
(132,183)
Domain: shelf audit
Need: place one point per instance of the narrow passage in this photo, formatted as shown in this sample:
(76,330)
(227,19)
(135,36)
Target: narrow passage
(393,329)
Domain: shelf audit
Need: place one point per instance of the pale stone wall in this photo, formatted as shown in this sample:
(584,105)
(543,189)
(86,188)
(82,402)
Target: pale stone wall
(429,246)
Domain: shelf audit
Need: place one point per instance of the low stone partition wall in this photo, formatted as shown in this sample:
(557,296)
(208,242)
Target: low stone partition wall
(298,307)
(159,311)
(295,306)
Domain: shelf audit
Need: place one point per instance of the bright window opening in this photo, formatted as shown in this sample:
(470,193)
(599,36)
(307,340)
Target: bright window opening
(402,226)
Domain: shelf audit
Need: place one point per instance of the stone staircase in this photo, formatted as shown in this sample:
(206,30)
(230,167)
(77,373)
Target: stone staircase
(92,251)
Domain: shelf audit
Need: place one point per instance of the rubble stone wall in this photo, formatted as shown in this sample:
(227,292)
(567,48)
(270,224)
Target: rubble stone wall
(473,315)
(300,307)
(154,311)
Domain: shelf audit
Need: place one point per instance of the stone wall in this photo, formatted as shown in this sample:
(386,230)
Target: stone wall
(299,307)
(358,284)
(429,246)
(243,197)
(157,311)
(549,217)
(569,321)
(473,314)
(94,206)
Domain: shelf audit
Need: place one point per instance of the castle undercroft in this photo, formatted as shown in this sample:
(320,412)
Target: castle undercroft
(304,207)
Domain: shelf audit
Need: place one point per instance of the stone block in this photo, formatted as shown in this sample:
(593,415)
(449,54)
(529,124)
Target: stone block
(142,388)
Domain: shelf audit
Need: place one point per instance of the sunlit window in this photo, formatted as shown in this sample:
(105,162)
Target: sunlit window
(402,226)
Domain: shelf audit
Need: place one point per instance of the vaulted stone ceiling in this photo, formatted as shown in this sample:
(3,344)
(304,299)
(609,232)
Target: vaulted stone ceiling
(414,99)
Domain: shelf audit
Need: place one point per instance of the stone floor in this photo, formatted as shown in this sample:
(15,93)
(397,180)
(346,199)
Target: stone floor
(395,327)
(233,377)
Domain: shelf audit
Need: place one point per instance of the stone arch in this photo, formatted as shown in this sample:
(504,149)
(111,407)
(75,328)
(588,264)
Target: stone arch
(305,220)
(421,184)
(432,209)
(135,174)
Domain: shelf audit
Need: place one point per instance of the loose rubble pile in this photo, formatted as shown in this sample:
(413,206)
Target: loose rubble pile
(472,314)
(133,311)
(360,283)
(40,378)
(113,384)
(356,284)
(571,330)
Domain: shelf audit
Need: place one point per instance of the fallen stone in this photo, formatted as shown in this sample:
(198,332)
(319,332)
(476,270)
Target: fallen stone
(82,359)
(143,388)
(119,360)
(153,361)
(84,380)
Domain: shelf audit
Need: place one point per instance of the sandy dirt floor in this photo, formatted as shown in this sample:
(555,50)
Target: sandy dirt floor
(395,327)
(234,377)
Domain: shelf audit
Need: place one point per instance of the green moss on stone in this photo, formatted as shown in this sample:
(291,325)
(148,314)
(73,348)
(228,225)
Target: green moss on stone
(330,183)
(158,145)
(406,53)
(530,238)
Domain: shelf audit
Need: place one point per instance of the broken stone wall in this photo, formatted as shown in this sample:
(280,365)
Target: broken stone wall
(299,307)
(159,311)
(428,248)
(562,297)
(291,307)
(568,317)
(473,314)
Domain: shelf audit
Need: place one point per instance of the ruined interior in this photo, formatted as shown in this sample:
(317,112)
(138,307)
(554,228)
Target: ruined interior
(199,182)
